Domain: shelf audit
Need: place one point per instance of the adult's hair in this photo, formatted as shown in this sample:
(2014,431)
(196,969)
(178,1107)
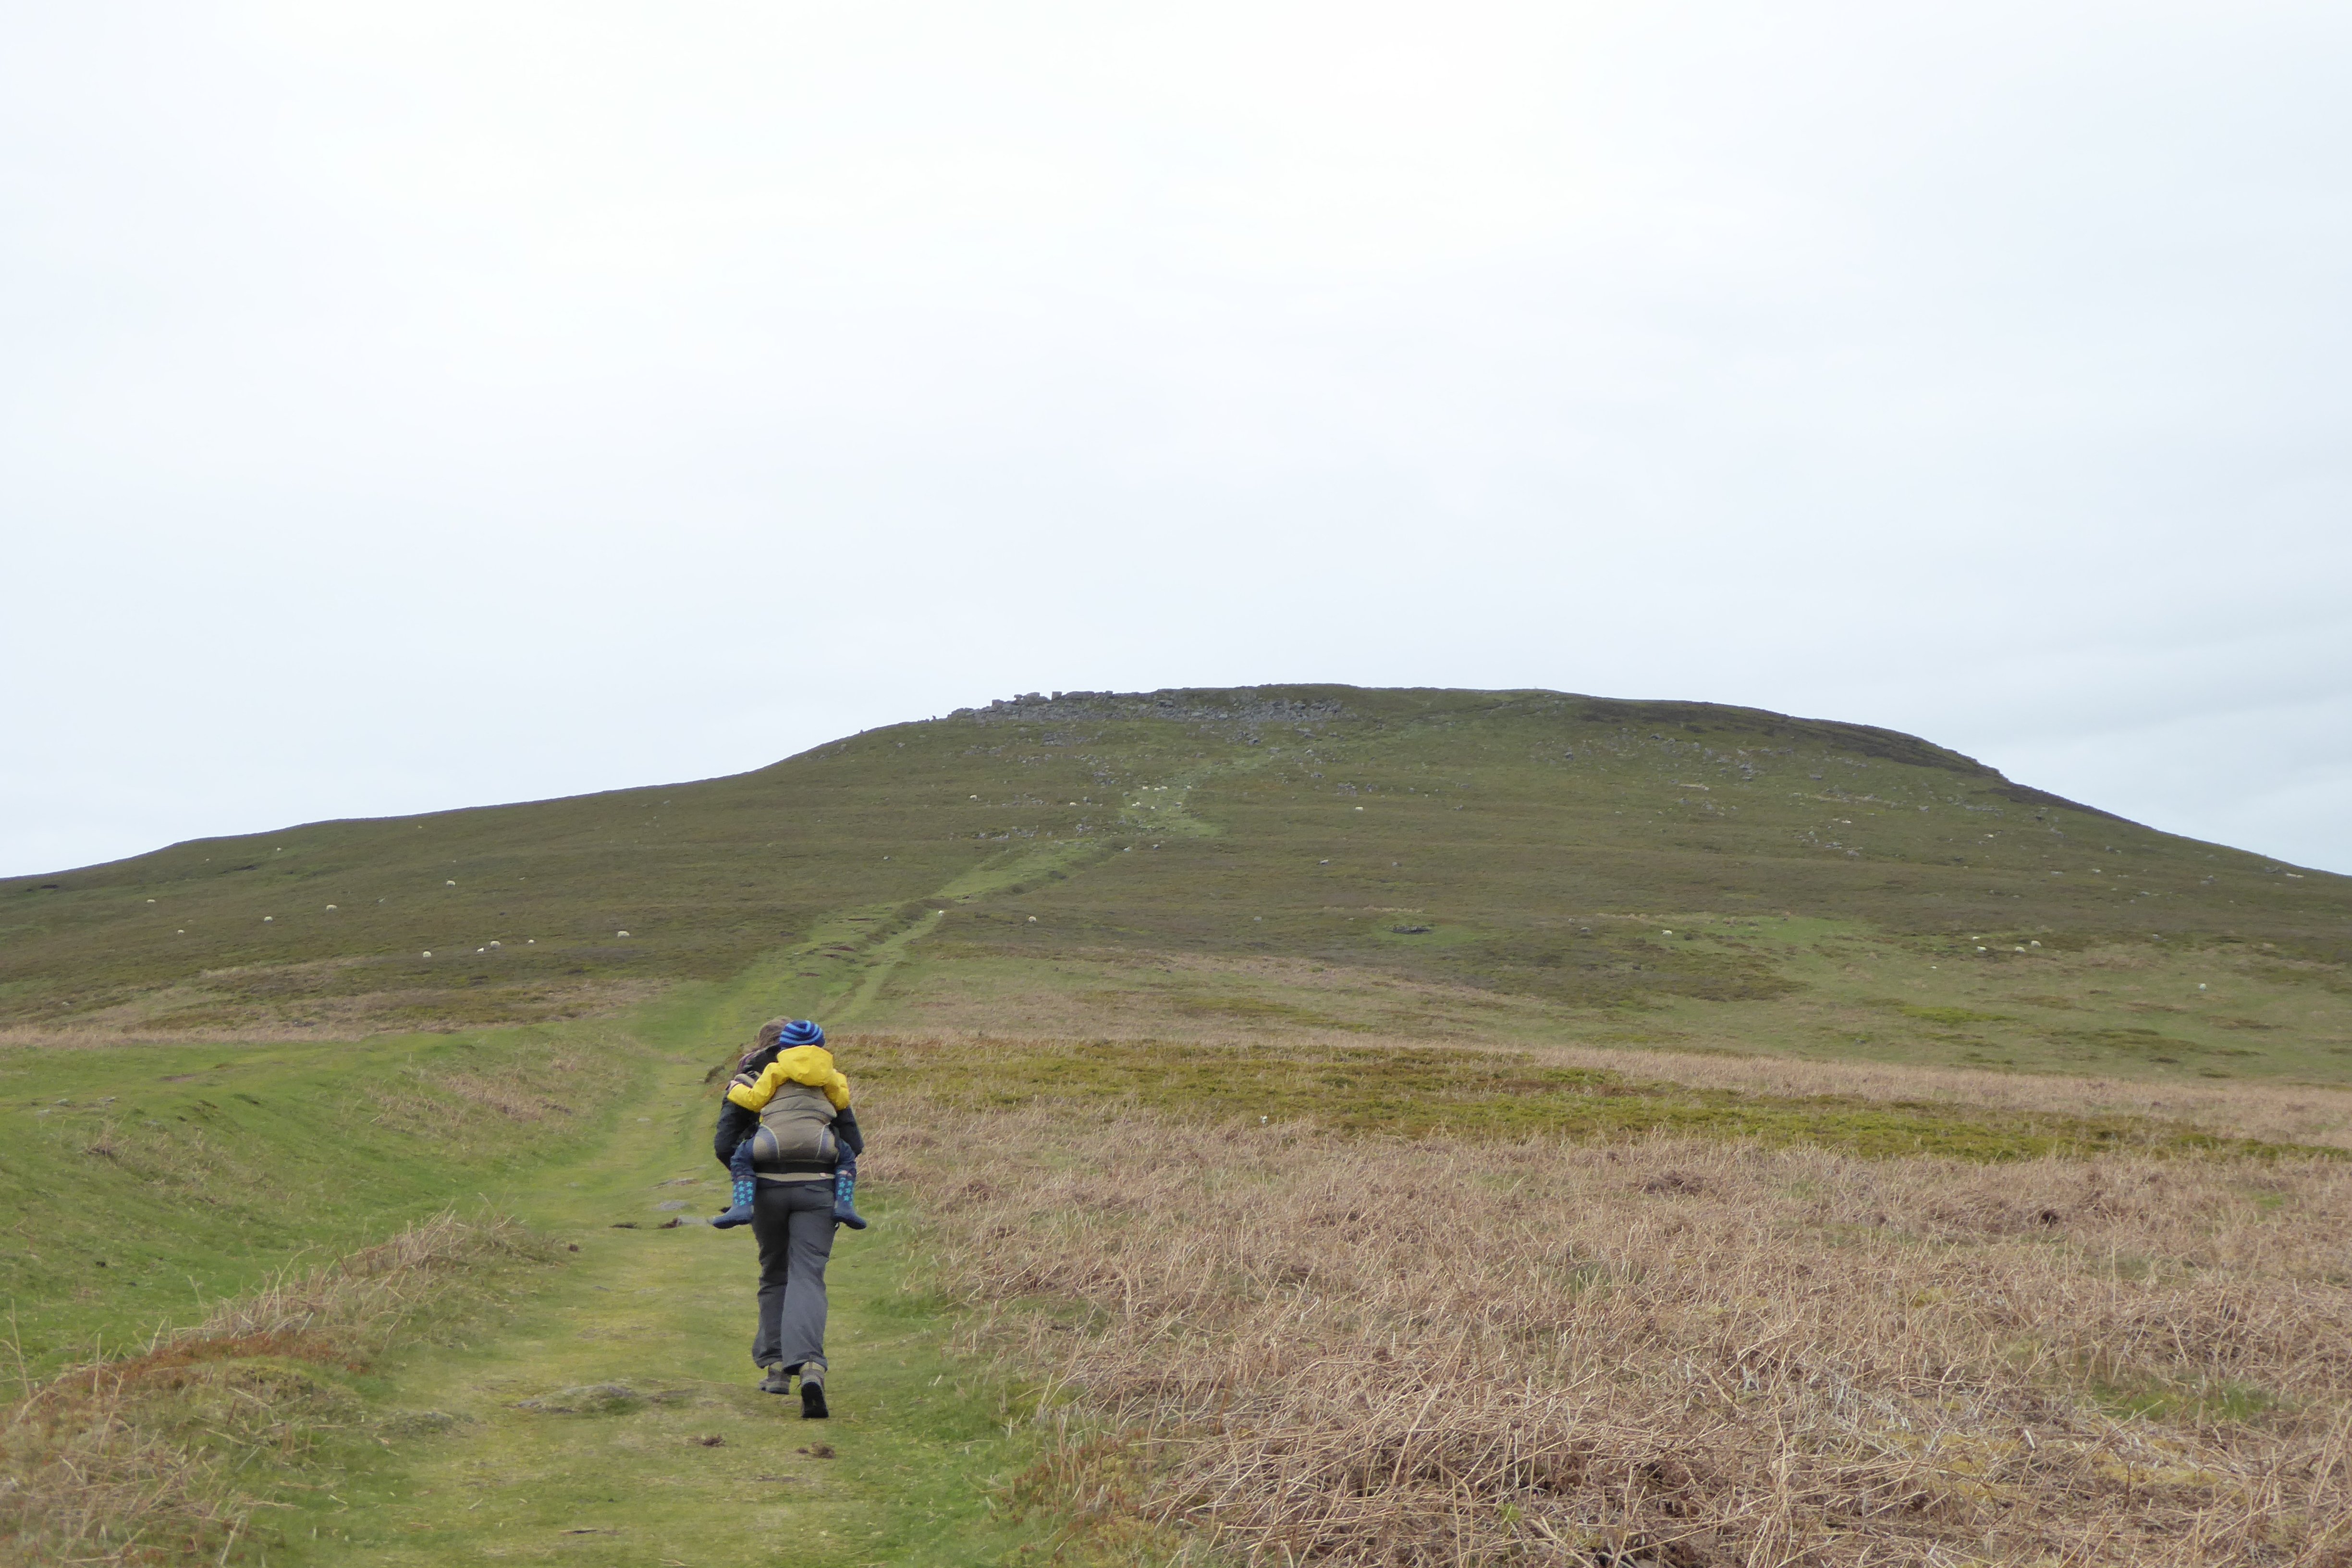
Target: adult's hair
(766,1047)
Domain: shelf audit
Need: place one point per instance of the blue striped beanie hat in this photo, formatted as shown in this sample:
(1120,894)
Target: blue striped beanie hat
(801,1032)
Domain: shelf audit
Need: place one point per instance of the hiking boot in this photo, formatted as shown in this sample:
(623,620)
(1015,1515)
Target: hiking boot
(813,1400)
(778,1381)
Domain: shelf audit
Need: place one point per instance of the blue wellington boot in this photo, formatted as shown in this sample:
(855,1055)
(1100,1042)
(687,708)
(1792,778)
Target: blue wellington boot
(746,1189)
(845,1184)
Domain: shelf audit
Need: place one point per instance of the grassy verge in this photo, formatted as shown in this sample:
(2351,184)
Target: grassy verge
(143,1183)
(158,1457)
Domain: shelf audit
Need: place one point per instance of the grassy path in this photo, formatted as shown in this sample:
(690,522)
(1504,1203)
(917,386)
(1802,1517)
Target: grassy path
(597,1476)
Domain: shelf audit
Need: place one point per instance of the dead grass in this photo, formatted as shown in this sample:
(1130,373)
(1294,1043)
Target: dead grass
(1489,1094)
(1307,1347)
(2292,1113)
(2311,1115)
(150,1458)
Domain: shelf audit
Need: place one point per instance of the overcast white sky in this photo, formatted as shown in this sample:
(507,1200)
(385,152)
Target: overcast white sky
(418,406)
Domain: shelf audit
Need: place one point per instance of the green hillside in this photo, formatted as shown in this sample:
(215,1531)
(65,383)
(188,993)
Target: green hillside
(1271,857)
(1108,970)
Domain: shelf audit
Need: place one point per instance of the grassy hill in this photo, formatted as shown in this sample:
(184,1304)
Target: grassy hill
(1165,1009)
(1274,858)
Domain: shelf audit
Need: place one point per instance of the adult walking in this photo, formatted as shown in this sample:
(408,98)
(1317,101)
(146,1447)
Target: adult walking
(787,1117)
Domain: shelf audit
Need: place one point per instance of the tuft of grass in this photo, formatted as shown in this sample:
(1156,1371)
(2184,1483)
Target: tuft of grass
(146,1179)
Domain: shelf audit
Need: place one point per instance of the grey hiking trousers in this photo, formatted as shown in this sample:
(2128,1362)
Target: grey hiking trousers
(794,1223)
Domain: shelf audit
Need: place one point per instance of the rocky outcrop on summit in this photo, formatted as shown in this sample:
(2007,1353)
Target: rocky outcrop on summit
(1247,707)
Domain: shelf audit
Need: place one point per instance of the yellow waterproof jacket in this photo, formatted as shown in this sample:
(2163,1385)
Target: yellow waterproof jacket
(811,1065)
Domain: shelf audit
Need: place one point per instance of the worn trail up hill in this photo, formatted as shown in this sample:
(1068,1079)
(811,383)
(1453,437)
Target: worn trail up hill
(1279,857)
